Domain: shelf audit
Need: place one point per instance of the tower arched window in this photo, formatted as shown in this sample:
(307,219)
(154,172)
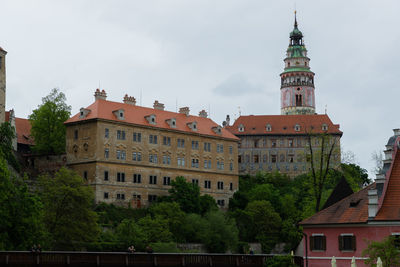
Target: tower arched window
(288,64)
(299,101)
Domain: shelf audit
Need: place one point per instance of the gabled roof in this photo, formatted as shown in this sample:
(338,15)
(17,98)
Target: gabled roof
(283,124)
(103,109)
(341,191)
(352,209)
(23,130)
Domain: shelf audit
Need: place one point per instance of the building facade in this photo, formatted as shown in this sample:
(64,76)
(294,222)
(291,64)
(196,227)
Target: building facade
(282,142)
(3,54)
(130,154)
(344,229)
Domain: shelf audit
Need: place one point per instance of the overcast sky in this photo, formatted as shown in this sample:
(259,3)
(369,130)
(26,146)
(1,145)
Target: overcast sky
(217,55)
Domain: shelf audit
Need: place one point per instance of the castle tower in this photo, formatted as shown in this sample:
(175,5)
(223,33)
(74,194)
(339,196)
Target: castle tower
(2,85)
(297,81)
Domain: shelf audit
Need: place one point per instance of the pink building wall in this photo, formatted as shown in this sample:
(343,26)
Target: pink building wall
(343,259)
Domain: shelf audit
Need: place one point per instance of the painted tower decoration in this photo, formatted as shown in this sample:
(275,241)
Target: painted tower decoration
(2,85)
(297,80)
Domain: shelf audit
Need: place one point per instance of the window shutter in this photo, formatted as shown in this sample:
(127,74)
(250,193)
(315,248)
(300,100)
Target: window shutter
(340,242)
(353,242)
(324,243)
(311,243)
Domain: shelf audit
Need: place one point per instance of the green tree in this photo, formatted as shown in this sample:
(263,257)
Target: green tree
(68,204)
(48,129)
(7,135)
(156,229)
(186,194)
(130,233)
(386,250)
(220,232)
(207,204)
(21,223)
(175,217)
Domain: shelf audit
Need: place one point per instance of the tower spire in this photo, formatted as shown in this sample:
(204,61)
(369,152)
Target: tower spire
(295,18)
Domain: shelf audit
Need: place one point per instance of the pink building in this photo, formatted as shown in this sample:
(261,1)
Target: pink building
(343,229)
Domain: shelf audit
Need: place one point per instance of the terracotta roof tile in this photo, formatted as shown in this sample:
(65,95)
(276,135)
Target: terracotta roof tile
(283,124)
(390,208)
(103,109)
(352,209)
(23,127)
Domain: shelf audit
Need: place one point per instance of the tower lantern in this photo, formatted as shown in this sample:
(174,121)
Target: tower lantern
(297,80)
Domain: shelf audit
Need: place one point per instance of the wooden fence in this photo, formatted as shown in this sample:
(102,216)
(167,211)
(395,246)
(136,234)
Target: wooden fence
(119,259)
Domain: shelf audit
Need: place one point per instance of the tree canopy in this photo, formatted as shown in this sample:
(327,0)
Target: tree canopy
(48,129)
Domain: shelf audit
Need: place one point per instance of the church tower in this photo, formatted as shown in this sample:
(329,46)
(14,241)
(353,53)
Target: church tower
(297,80)
(2,85)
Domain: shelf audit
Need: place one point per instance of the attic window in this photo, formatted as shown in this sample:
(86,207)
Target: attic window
(354,202)
(171,122)
(151,118)
(192,126)
(83,112)
(268,127)
(297,127)
(324,127)
(241,128)
(217,129)
(120,114)
(284,127)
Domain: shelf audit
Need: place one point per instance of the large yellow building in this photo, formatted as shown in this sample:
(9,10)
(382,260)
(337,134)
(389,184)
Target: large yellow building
(130,154)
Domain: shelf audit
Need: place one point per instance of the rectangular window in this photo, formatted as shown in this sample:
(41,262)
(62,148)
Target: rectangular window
(220,148)
(166,141)
(195,163)
(207,147)
(105,195)
(153,158)
(121,196)
(195,182)
(220,165)
(166,160)
(120,177)
(76,134)
(85,175)
(273,143)
(167,180)
(152,139)
(231,186)
(106,153)
(106,133)
(152,198)
(207,184)
(137,137)
(181,162)
(347,242)
(273,158)
(121,154)
(120,135)
(105,175)
(221,202)
(255,158)
(153,179)
(318,242)
(231,166)
(195,145)
(181,143)
(290,142)
(239,158)
(230,149)
(136,156)
(220,185)
(137,178)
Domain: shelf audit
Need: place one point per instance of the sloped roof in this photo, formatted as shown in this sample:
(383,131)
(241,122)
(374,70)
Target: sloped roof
(341,190)
(390,208)
(283,124)
(23,130)
(352,209)
(103,109)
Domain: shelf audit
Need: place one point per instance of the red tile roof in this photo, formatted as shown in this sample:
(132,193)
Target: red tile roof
(352,209)
(103,109)
(390,205)
(283,124)
(23,127)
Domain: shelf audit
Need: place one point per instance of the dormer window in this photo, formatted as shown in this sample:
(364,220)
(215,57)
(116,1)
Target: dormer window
(192,126)
(151,119)
(217,129)
(83,112)
(297,128)
(120,114)
(241,128)
(171,122)
(324,127)
(268,127)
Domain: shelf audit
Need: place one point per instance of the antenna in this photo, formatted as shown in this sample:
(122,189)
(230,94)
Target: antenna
(140,97)
(326,109)
(176,105)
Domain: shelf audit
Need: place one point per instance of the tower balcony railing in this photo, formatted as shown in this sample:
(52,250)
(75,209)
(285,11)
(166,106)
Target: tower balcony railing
(297,84)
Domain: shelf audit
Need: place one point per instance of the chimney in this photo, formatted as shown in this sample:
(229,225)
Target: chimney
(158,105)
(396,132)
(372,203)
(184,110)
(203,114)
(228,120)
(100,95)
(129,100)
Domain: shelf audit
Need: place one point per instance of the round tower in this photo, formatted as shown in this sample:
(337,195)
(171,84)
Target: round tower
(297,80)
(2,85)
